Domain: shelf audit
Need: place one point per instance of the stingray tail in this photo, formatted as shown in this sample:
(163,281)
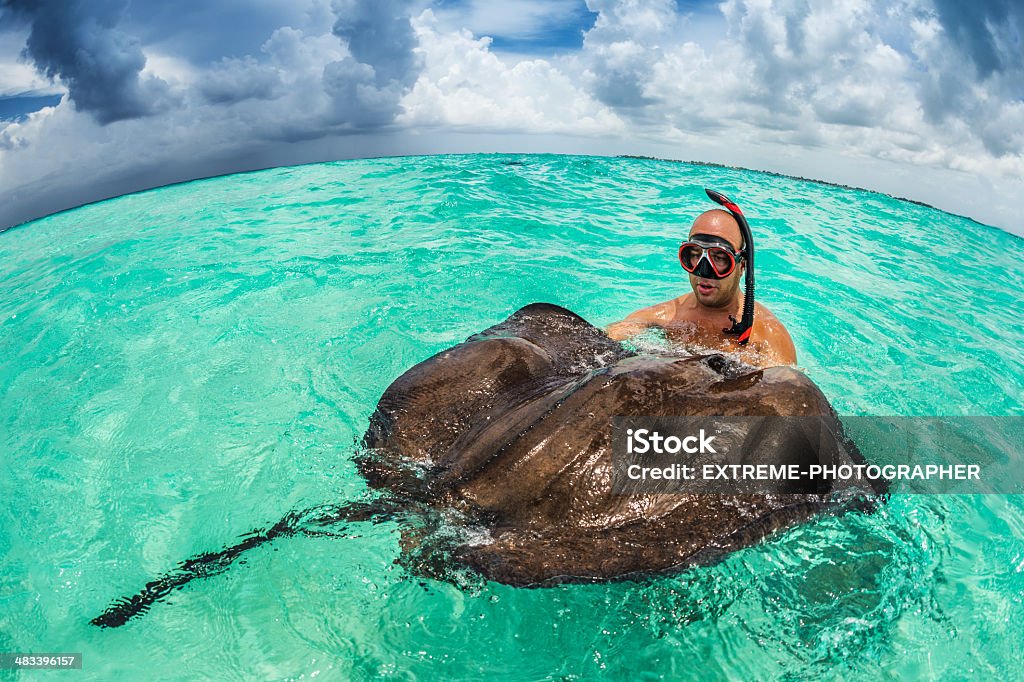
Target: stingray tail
(315,521)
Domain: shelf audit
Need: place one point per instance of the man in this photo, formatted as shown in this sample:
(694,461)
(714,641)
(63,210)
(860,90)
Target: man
(698,319)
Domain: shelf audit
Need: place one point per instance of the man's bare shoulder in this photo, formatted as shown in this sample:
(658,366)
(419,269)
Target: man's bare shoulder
(770,330)
(766,319)
(761,312)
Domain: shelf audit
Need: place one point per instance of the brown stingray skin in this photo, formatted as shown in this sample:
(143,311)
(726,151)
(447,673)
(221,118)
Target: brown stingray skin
(512,429)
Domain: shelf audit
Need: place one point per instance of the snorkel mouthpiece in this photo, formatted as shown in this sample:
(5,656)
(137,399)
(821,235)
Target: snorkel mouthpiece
(740,328)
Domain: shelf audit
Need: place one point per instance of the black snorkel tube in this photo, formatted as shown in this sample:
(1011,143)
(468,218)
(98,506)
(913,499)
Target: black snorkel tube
(743,326)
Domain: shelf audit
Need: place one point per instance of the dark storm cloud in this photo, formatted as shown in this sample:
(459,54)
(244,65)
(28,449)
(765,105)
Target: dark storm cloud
(379,34)
(366,89)
(79,42)
(357,99)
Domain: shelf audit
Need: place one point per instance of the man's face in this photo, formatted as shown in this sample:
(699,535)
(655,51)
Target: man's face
(717,225)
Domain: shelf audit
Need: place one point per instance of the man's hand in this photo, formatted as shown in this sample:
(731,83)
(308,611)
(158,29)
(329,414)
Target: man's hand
(618,331)
(659,314)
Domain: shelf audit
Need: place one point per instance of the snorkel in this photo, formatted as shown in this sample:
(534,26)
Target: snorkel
(742,327)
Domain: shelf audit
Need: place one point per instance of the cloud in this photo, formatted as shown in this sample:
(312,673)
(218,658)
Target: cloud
(911,97)
(628,38)
(370,63)
(234,80)
(365,86)
(826,74)
(987,31)
(17,75)
(465,85)
(79,43)
(379,35)
(204,32)
(233,114)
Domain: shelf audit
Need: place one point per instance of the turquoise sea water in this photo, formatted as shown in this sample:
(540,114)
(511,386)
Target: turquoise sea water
(185,364)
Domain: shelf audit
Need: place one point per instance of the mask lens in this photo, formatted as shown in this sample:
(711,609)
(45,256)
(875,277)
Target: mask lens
(722,261)
(689,256)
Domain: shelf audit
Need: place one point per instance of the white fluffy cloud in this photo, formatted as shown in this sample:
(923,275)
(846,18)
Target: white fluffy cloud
(465,85)
(911,97)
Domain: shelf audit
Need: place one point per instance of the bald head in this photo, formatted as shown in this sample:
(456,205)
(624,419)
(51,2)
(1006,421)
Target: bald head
(718,223)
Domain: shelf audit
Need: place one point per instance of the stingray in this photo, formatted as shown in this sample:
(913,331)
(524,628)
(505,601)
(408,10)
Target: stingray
(496,456)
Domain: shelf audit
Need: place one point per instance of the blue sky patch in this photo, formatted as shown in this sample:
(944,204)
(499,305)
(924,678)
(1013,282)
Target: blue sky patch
(527,26)
(18,107)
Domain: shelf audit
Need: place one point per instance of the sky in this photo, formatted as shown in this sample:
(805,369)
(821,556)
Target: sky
(922,99)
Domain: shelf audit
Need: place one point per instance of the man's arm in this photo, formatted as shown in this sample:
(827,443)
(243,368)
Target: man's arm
(641,320)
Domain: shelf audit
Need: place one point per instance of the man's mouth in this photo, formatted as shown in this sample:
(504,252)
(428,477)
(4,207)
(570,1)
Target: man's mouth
(705,288)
